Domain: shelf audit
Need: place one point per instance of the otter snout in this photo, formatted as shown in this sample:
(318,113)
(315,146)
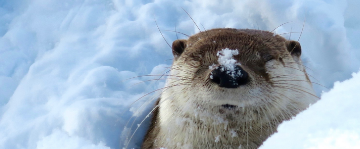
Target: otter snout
(229,77)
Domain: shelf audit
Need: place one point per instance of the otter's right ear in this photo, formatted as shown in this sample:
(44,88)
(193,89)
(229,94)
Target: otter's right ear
(294,48)
(178,47)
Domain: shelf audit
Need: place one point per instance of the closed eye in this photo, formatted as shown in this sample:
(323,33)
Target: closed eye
(268,58)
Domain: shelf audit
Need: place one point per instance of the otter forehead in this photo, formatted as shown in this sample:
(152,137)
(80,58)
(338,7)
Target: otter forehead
(253,45)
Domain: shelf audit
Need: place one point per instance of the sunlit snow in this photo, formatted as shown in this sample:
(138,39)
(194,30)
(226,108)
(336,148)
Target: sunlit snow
(331,123)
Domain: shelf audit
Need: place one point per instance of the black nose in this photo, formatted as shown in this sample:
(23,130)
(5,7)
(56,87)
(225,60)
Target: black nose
(228,77)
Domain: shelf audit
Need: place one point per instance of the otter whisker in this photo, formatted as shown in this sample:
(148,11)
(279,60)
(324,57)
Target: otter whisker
(290,77)
(292,109)
(261,120)
(157,106)
(140,124)
(283,109)
(177,37)
(144,96)
(169,76)
(258,28)
(191,19)
(269,111)
(247,135)
(304,81)
(275,119)
(204,29)
(281,25)
(302,29)
(144,81)
(169,60)
(162,75)
(132,124)
(142,76)
(307,68)
(280,111)
(161,33)
(295,68)
(286,76)
(285,79)
(164,88)
(288,33)
(178,32)
(298,90)
(149,94)
(303,71)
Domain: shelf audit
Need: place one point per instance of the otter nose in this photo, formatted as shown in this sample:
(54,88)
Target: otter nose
(229,77)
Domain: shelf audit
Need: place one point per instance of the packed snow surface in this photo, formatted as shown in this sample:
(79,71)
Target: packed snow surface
(331,123)
(84,73)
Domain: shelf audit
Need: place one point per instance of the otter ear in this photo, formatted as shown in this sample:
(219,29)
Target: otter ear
(178,47)
(294,48)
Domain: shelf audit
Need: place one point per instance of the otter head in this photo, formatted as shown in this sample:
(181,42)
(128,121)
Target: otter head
(244,81)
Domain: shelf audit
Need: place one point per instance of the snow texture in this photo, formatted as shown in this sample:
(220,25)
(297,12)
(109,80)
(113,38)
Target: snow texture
(331,123)
(69,69)
(228,63)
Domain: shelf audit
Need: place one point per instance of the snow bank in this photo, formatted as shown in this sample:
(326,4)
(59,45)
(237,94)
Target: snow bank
(331,123)
(65,64)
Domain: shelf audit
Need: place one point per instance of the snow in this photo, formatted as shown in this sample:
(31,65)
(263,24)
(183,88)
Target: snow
(217,138)
(233,134)
(228,63)
(61,139)
(76,73)
(331,123)
(225,57)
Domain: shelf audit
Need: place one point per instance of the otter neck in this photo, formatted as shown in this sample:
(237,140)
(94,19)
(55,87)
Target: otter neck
(200,130)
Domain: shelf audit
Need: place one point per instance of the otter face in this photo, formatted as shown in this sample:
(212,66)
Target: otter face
(229,88)
(229,71)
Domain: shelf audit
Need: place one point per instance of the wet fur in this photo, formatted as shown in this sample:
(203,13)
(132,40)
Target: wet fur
(190,114)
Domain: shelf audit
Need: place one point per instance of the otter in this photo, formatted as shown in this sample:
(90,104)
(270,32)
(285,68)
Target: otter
(229,88)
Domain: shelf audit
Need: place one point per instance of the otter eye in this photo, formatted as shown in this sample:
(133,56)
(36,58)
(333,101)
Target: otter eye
(268,58)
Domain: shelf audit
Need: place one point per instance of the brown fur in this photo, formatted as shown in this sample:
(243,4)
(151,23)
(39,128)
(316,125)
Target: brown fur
(257,115)
(153,129)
